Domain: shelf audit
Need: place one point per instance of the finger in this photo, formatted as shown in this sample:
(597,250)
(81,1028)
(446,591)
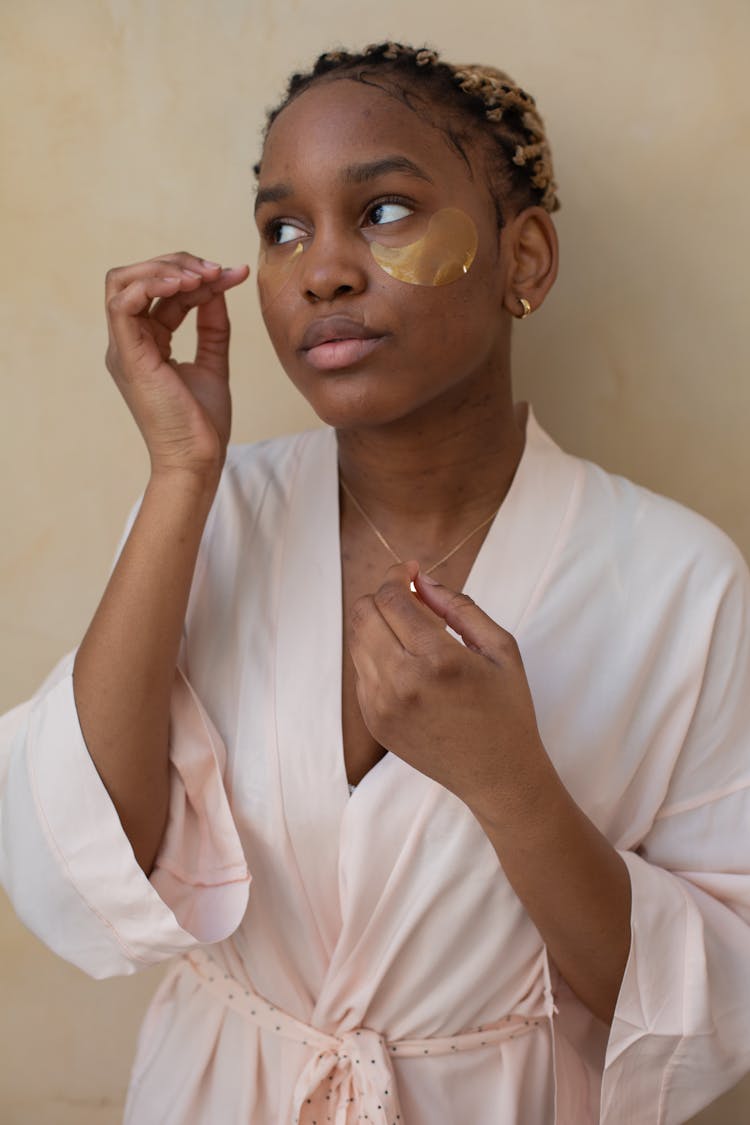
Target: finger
(212,350)
(172,311)
(475,628)
(126,307)
(372,643)
(417,628)
(165,265)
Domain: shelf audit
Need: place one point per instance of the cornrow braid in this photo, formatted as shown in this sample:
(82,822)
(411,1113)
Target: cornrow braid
(499,111)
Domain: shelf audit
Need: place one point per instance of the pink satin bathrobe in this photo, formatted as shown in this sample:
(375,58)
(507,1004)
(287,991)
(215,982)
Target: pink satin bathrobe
(344,957)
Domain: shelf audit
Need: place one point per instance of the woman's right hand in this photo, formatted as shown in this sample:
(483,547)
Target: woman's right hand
(183,410)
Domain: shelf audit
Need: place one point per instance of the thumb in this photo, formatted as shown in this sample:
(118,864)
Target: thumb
(213,335)
(475,628)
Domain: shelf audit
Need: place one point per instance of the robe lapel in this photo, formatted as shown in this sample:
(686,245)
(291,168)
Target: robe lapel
(308,679)
(385,868)
(509,573)
(519,552)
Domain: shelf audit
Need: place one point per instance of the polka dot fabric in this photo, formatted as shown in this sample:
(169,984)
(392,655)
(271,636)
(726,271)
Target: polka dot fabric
(348,1078)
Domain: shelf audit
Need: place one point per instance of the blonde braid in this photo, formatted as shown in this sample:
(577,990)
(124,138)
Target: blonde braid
(500,93)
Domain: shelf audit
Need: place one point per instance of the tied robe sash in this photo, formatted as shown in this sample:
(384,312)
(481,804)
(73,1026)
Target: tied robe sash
(348,1077)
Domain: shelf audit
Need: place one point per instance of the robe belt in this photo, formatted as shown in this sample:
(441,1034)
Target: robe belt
(349,1077)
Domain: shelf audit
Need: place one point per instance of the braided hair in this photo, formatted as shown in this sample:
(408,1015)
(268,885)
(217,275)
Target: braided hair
(483,104)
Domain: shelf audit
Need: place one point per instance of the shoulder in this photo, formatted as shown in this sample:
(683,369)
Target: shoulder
(264,472)
(655,531)
(638,564)
(270,458)
(248,524)
(649,539)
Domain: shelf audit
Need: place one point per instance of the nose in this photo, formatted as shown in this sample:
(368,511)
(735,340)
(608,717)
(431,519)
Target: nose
(332,266)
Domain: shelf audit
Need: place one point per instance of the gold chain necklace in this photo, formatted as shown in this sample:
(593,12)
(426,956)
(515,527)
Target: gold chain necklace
(390,549)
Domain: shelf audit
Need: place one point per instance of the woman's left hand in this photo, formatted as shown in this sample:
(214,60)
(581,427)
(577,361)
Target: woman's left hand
(462,714)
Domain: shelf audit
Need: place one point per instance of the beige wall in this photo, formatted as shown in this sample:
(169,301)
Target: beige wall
(129,128)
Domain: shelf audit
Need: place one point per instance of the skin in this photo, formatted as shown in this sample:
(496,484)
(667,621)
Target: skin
(429,440)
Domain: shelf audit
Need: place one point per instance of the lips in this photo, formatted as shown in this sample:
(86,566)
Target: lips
(337,341)
(330,328)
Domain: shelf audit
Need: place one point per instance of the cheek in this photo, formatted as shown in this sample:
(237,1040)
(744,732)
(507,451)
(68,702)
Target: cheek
(442,255)
(278,318)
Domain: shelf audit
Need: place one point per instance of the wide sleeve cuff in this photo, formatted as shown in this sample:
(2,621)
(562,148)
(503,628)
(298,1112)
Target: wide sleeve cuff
(682,1014)
(69,867)
(200,870)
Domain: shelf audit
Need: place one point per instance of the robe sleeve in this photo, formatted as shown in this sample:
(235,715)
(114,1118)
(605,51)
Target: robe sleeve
(681,1029)
(69,868)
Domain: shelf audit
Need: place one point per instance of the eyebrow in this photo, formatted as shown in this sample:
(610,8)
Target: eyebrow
(363,173)
(352,174)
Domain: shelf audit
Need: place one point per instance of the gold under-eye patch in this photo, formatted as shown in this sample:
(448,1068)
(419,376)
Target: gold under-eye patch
(443,253)
(275,270)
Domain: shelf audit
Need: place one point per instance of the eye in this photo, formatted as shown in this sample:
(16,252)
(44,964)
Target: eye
(388,211)
(281,232)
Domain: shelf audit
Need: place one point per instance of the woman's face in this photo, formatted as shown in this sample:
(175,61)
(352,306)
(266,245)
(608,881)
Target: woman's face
(348,169)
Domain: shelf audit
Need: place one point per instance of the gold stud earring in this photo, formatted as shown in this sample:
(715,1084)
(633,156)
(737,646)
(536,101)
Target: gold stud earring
(526,308)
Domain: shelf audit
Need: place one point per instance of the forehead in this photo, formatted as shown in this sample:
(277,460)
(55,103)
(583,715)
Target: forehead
(343,121)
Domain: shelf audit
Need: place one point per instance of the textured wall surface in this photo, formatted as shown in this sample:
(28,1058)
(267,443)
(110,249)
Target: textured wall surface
(129,128)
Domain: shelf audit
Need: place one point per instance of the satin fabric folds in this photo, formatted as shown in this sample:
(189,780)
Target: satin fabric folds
(383,918)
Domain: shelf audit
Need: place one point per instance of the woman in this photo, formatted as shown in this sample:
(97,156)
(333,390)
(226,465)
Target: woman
(534,905)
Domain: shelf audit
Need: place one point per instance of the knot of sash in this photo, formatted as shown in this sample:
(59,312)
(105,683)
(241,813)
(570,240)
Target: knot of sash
(346,1080)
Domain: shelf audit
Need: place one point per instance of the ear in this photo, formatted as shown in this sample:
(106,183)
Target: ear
(531,254)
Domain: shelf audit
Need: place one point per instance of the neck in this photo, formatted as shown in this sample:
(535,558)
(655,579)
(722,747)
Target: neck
(430,476)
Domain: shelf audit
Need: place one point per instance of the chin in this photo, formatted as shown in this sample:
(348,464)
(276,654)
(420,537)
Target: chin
(354,416)
(352,400)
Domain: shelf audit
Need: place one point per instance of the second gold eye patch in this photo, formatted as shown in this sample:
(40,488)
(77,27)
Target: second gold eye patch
(442,255)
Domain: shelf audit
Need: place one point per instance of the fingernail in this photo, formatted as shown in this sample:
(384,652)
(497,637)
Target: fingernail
(429,580)
(211,265)
(192,273)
